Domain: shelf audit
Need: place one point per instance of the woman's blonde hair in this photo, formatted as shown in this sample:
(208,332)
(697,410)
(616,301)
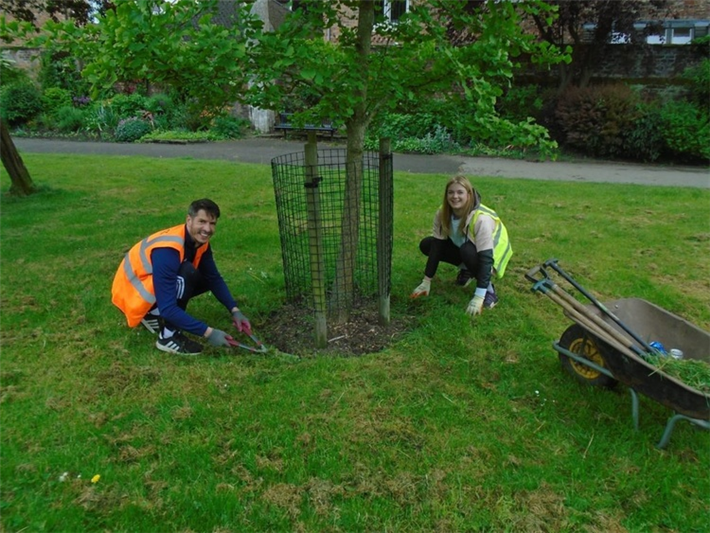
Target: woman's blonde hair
(446,212)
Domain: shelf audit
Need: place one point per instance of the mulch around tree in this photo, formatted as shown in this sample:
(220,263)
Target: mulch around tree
(291,329)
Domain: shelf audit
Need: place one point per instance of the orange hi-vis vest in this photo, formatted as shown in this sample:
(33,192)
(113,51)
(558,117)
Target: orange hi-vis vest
(132,291)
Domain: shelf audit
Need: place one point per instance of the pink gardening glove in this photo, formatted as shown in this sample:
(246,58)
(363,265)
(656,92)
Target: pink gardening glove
(241,322)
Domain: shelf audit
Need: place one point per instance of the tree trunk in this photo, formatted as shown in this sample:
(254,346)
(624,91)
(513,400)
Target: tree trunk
(343,288)
(19,176)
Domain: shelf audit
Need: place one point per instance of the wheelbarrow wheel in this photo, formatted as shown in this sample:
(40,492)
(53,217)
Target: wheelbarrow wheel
(577,340)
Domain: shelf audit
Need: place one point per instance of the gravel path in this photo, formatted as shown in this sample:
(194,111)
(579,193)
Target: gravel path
(263,150)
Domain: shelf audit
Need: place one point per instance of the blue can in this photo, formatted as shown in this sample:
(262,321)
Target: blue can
(658,347)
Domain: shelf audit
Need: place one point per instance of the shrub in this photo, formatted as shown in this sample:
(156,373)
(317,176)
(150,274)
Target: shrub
(430,143)
(197,118)
(176,117)
(44,122)
(131,129)
(229,127)
(55,98)
(596,120)
(128,105)
(69,119)
(10,73)
(158,104)
(20,103)
(100,120)
(182,136)
(60,69)
(418,132)
(685,127)
(644,140)
(402,126)
(519,103)
(699,78)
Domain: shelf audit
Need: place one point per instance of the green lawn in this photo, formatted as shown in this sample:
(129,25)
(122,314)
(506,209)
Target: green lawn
(458,426)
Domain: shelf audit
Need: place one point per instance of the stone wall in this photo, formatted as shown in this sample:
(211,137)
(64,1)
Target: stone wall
(646,62)
(688,9)
(652,66)
(25,58)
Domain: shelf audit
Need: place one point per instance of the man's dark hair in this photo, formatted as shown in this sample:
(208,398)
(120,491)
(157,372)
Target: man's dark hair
(205,204)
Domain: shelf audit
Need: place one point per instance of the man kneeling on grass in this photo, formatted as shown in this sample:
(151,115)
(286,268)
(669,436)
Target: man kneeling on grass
(159,275)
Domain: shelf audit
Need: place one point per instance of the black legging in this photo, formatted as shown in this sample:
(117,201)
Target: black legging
(438,250)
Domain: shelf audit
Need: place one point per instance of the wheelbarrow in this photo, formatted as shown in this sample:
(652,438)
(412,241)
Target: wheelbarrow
(613,343)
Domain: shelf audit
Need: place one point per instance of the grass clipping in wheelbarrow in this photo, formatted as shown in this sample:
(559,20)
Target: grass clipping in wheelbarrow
(694,373)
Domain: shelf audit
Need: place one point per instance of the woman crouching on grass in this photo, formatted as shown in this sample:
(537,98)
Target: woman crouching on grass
(471,236)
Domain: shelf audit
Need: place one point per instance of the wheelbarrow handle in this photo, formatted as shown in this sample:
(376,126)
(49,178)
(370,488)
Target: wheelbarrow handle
(599,305)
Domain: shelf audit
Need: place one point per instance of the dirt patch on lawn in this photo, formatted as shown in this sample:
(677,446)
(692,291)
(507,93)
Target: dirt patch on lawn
(291,329)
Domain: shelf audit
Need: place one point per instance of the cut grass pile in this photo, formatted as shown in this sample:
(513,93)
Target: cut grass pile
(692,372)
(458,426)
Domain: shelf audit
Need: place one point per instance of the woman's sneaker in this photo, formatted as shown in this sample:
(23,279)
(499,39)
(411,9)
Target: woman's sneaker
(464,277)
(490,300)
(179,344)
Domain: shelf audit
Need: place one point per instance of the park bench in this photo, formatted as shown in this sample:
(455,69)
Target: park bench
(283,123)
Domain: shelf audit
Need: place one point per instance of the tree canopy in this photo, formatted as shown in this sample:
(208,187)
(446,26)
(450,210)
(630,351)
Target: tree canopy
(464,52)
(175,46)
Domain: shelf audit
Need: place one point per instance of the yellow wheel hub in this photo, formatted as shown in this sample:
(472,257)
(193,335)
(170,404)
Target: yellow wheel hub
(588,350)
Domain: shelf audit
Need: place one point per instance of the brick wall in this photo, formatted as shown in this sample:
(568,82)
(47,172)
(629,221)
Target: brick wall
(631,61)
(689,9)
(645,65)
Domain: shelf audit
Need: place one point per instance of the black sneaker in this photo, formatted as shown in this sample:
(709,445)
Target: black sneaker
(464,278)
(179,344)
(491,299)
(152,323)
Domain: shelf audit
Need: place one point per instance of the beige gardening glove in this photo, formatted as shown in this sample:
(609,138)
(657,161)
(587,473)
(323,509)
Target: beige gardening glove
(475,306)
(422,290)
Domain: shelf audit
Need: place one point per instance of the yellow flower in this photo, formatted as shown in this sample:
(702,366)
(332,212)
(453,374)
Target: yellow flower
(95,479)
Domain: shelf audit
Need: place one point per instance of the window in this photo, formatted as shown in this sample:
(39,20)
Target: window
(672,31)
(618,37)
(391,10)
(672,36)
(680,35)
(676,31)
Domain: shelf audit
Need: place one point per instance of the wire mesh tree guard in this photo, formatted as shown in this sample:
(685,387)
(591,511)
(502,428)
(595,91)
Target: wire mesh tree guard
(336,230)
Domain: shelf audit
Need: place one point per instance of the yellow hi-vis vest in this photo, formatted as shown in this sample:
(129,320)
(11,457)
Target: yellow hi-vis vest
(132,291)
(502,251)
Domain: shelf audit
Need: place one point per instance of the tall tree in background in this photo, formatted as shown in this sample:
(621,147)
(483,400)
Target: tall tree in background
(22,184)
(377,64)
(607,20)
(175,45)
(79,10)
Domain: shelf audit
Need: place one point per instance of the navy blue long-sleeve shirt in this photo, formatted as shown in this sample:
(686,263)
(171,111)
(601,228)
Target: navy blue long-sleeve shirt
(166,264)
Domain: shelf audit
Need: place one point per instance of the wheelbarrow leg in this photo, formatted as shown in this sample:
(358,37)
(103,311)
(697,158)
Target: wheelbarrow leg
(705,424)
(635,408)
